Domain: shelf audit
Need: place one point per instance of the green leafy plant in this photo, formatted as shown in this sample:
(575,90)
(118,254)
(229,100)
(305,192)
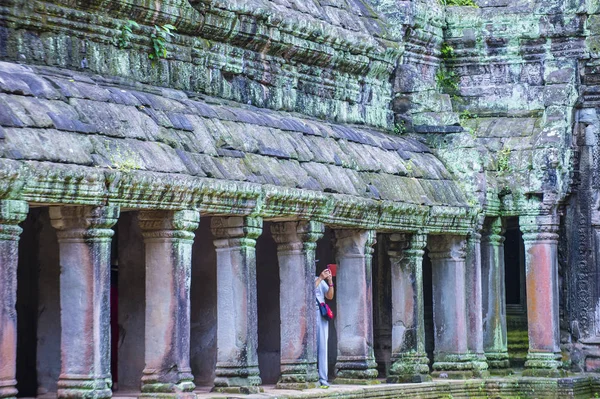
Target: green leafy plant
(447,51)
(126,33)
(159,38)
(503,160)
(466,114)
(447,81)
(399,127)
(464,3)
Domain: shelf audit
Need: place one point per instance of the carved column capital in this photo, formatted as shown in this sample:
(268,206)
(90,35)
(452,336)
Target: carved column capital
(297,235)
(493,232)
(450,247)
(169,224)
(11,214)
(80,222)
(474,237)
(405,244)
(539,228)
(246,228)
(352,242)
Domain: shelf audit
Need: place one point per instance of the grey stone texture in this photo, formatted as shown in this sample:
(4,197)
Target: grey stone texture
(495,341)
(84,236)
(473,298)
(296,245)
(403,118)
(540,235)
(237,320)
(11,214)
(168,238)
(452,357)
(410,362)
(354,320)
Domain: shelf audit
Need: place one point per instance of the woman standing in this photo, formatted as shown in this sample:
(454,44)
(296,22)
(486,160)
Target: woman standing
(323,289)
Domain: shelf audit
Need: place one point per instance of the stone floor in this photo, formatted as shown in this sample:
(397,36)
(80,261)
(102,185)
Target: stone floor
(575,386)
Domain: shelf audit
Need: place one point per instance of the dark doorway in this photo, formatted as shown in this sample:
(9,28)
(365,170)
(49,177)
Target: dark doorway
(325,254)
(267,286)
(27,304)
(38,306)
(428,307)
(516,300)
(382,305)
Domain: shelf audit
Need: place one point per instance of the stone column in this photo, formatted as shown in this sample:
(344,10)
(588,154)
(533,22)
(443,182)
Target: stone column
(473,300)
(168,238)
(540,236)
(237,317)
(296,244)
(84,236)
(11,214)
(356,359)
(451,355)
(495,342)
(409,359)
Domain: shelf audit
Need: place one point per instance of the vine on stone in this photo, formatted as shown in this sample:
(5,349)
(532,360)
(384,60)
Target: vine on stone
(159,38)
(126,33)
(465,3)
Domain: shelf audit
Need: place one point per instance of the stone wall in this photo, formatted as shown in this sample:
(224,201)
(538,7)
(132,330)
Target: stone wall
(329,60)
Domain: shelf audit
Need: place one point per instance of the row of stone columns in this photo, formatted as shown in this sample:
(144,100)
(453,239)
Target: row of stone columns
(468,301)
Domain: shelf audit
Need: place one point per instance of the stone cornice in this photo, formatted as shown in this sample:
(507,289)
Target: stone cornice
(84,222)
(11,214)
(169,224)
(46,183)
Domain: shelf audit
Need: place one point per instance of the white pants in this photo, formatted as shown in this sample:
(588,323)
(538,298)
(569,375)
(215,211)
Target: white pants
(322,337)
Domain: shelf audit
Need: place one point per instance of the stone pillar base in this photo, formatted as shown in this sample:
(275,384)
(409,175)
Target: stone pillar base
(544,365)
(7,389)
(409,368)
(498,362)
(239,380)
(239,385)
(82,386)
(157,385)
(458,367)
(480,366)
(356,373)
(298,376)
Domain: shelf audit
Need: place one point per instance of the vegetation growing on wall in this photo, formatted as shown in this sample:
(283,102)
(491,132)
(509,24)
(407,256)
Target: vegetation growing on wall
(126,33)
(464,3)
(447,80)
(503,160)
(159,38)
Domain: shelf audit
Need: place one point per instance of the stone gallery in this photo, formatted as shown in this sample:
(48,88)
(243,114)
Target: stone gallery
(175,173)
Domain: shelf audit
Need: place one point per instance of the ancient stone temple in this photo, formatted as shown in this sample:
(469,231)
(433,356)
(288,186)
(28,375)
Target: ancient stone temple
(174,173)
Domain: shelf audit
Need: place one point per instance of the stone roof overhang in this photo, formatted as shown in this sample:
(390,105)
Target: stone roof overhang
(71,138)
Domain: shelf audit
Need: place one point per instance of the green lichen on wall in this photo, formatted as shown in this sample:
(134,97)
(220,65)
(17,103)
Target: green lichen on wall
(292,61)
